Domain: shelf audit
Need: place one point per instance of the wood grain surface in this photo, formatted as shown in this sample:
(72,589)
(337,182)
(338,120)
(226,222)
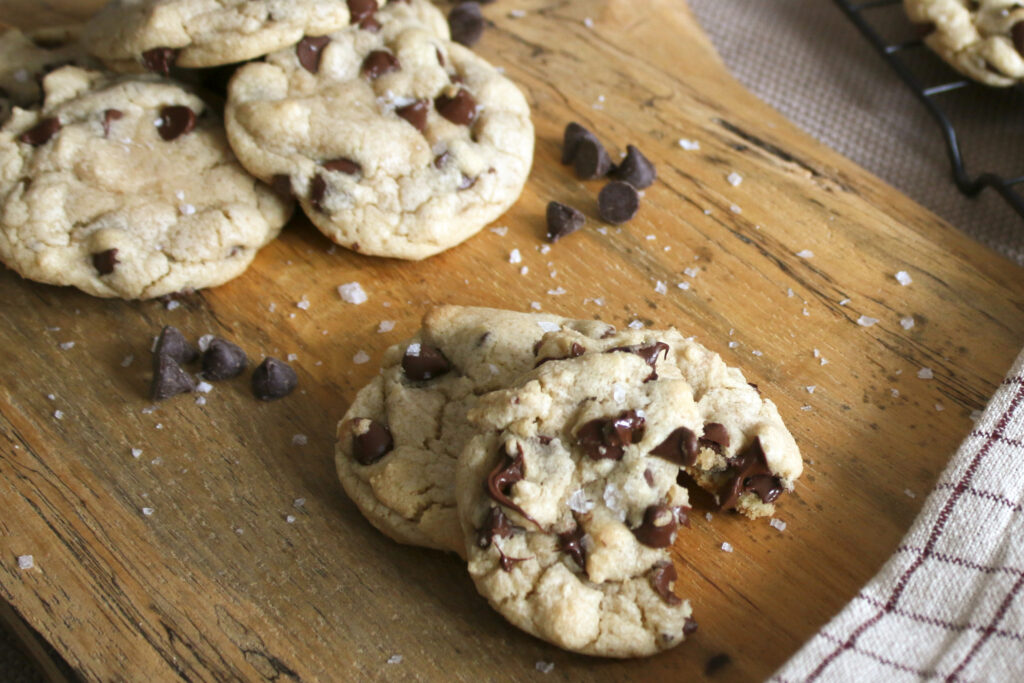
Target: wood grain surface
(217,584)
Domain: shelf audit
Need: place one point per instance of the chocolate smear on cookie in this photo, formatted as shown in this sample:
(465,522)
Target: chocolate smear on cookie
(658,529)
(496,524)
(563,220)
(169,379)
(416,114)
(606,438)
(459,108)
(591,159)
(649,352)
(172,343)
(175,120)
(273,379)
(466,23)
(662,576)
(635,169)
(748,471)
(571,543)
(223,360)
(105,261)
(679,447)
(41,133)
(109,116)
(422,362)
(309,52)
(617,202)
(378,63)
(160,60)
(372,443)
(503,477)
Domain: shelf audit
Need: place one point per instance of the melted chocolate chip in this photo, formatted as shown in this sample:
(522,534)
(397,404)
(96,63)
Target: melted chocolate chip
(607,438)
(460,108)
(1017,36)
(717,663)
(591,159)
(416,114)
(716,433)
(160,60)
(501,479)
(679,447)
(169,379)
(571,543)
(273,379)
(563,220)
(748,471)
(317,192)
(41,133)
(281,183)
(575,351)
(496,524)
(661,577)
(378,63)
(105,261)
(635,169)
(309,52)
(466,23)
(617,202)
(372,443)
(109,116)
(343,165)
(658,529)
(507,562)
(223,360)
(175,120)
(648,352)
(360,10)
(574,133)
(424,364)
(172,343)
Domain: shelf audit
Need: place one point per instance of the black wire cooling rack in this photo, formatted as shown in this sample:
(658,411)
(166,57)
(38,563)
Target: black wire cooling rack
(860,14)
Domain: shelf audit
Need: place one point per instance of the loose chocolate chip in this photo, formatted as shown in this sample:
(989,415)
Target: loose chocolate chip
(574,133)
(343,165)
(281,183)
(175,120)
(359,10)
(679,447)
(460,108)
(591,159)
(1017,35)
(223,360)
(109,116)
(635,169)
(496,524)
(423,362)
(41,132)
(717,663)
(309,52)
(105,261)
(378,63)
(563,220)
(662,576)
(606,438)
(160,60)
(466,23)
(415,113)
(571,543)
(172,343)
(658,529)
(371,441)
(169,379)
(273,379)
(501,479)
(317,192)
(749,471)
(649,352)
(617,202)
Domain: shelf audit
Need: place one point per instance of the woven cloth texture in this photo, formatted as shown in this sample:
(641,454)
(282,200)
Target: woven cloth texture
(808,61)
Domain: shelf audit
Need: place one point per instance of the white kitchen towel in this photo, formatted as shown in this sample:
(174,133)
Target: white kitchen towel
(949,604)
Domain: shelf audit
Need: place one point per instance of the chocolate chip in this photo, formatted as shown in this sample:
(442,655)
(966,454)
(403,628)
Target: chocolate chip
(440,57)
(717,663)
(359,10)
(223,360)
(317,192)
(563,220)
(415,113)
(649,352)
(371,441)
(466,182)
(1017,35)
(679,447)
(662,576)
(575,351)
(749,471)
(617,202)
(635,169)
(109,116)
(41,132)
(175,121)
(441,159)
(591,159)
(460,108)
(658,528)
(501,479)
(496,524)
(466,23)
(370,24)
(281,183)
(716,433)
(105,261)
(160,60)
(571,543)
(378,63)
(309,52)
(169,379)
(273,379)
(423,362)
(574,133)
(649,477)
(172,343)
(343,165)
(689,626)
(606,438)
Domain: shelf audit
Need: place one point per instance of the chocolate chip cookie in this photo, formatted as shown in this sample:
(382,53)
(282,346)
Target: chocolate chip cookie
(26,57)
(396,142)
(125,187)
(399,441)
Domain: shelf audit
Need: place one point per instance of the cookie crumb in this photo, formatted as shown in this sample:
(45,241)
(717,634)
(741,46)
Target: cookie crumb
(352,292)
(689,145)
(360,357)
(385,326)
(734,179)
(925,373)
(907,323)
(903,277)
(866,321)
(26,562)
(545,667)
(300,440)
(727,547)
(805,253)
(395,659)
(777,523)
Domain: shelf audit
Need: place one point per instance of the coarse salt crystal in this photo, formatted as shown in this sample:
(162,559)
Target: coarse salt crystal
(292,357)
(127,360)
(636,325)
(204,342)
(187,209)
(300,440)
(925,373)
(548,326)
(734,179)
(136,452)
(395,659)
(683,285)
(909,494)
(544,248)
(200,400)
(708,516)
(895,393)
(727,547)
(52,397)
(493,368)
(907,323)
(524,270)
(413,349)
(733,345)
(588,22)
(517,14)
(558,291)
(689,145)
(158,425)
(352,292)
(290,519)
(866,321)
(790,293)
(777,523)
(535,305)
(806,409)
(501,230)
(303,303)
(757,353)
(272,307)
(360,358)
(810,388)
(148,409)
(385,326)
(843,302)
(650,238)
(173,305)
(939,407)
(824,361)
(26,562)
(975,415)
(299,502)
(147,511)
(691,272)
(660,287)
(903,277)
(515,257)
(805,253)
(577,502)
(613,500)
(545,667)
(180,194)
(65,346)
(59,414)
(735,209)
(204,387)
(619,392)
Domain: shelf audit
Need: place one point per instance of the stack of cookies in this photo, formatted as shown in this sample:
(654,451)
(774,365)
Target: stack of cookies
(548,453)
(123,181)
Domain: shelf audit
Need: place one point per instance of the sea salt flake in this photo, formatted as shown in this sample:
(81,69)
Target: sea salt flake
(895,393)
(501,230)
(303,303)
(817,353)
(127,360)
(26,562)
(650,238)
(790,293)
(361,357)
(548,326)
(691,272)
(292,357)
(515,257)
(757,353)
(204,387)
(735,209)
(300,440)
(810,388)
(557,291)
(660,287)
(843,302)
(727,547)
(805,253)
(777,523)
(413,349)
(352,292)
(147,511)
(187,209)
(385,326)
(708,516)
(136,453)
(925,373)
(683,286)
(578,502)
(524,270)
(866,321)
(824,361)
(806,409)
(907,323)
(535,305)
(903,277)
(588,22)
(939,407)
(544,248)
(909,494)
(733,345)
(734,179)
(395,659)
(689,145)
(619,392)
(544,667)
(67,346)
(636,325)
(200,400)
(290,519)
(613,500)
(58,414)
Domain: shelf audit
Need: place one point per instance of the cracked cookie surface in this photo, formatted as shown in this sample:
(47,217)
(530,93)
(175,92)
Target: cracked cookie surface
(396,142)
(399,441)
(126,187)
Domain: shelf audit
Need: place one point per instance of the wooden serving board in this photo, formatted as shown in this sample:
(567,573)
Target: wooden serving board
(216,584)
